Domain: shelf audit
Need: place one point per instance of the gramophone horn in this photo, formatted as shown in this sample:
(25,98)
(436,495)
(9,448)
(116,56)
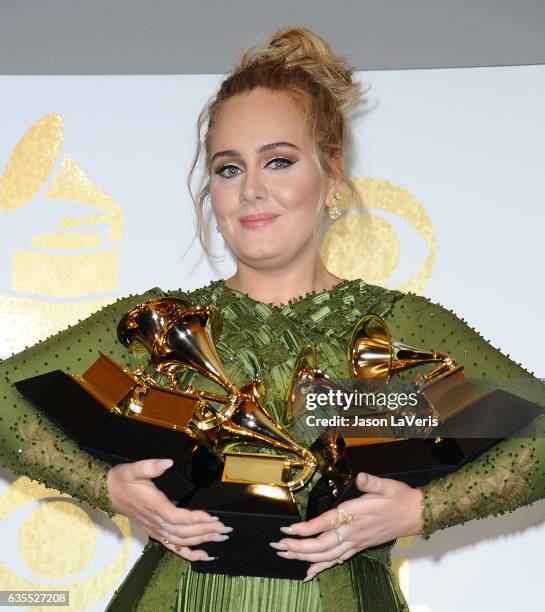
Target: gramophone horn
(306,378)
(147,321)
(375,356)
(252,425)
(188,342)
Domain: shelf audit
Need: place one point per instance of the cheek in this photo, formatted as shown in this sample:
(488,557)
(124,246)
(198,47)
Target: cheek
(299,194)
(222,199)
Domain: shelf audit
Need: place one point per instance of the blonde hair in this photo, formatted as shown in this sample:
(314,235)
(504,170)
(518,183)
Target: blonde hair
(297,62)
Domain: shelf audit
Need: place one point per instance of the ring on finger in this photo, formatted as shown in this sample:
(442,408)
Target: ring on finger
(347,517)
(343,518)
(339,535)
(165,542)
(339,560)
(162,524)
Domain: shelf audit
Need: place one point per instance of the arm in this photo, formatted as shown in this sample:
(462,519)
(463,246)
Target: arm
(30,443)
(511,474)
(34,446)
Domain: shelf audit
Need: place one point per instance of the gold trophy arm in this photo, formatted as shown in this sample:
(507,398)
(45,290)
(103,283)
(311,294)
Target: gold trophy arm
(308,464)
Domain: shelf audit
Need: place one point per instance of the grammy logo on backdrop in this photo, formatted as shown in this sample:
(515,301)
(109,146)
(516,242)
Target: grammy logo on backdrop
(63,264)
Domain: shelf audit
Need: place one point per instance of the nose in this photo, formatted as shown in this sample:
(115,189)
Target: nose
(252,187)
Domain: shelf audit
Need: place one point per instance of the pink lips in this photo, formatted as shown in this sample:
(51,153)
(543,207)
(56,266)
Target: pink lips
(255,221)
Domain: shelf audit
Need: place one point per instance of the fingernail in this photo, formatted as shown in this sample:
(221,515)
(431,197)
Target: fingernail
(285,555)
(308,578)
(210,558)
(166,463)
(226,529)
(215,518)
(222,538)
(277,545)
(286,529)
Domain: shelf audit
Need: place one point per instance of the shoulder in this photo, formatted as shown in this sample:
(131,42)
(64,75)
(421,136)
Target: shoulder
(135,298)
(368,297)
(196,294)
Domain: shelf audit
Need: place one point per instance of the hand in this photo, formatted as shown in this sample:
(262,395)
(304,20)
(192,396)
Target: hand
(132,493)
(389,509)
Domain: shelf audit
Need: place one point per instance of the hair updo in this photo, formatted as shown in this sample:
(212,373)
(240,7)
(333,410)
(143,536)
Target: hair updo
(301,64)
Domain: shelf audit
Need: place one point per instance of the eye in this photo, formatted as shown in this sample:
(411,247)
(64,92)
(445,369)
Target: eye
(285,163)
(289,162)
(220,171)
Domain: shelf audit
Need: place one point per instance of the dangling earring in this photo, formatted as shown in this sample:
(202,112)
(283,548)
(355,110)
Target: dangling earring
(218,228)
(334,211)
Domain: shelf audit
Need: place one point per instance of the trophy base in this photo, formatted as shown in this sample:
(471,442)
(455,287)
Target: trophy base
(115,438)
(255,512)
(460,439)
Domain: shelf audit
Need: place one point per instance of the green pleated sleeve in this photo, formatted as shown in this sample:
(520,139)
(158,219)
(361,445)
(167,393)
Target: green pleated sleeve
(512,473)
(31,444)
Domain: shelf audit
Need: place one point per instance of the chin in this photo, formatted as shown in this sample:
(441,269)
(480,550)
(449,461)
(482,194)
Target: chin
(262,255)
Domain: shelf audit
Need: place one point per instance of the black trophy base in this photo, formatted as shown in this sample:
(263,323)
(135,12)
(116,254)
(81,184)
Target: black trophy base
(115,438)
(418,461)
(256,513)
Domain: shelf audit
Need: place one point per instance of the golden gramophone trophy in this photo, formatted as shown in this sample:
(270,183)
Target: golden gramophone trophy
(121,415)
(262,465)
(468,418)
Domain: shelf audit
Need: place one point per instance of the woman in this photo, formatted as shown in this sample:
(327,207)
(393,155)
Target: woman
(274,143)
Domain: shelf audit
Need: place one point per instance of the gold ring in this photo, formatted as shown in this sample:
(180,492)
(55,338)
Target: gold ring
(343,520)
(165,541)
(177,548)
(339,560)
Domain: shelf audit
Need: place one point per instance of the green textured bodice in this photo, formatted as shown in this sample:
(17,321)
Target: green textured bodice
(262,341)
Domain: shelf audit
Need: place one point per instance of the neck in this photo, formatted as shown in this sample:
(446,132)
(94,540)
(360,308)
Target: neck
(278,286)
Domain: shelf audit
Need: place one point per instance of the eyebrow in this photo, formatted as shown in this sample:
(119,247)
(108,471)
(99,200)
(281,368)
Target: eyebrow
(265,147)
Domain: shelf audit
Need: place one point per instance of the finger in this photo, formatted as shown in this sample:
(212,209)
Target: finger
(148,468)
(316,525)
(325,541)
(190,554)
(192,540)
(170,513)
(316,568)
(367,483)
(328,555)
(185,531)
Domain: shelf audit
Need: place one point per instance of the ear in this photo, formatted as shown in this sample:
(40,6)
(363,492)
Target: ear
(335,185)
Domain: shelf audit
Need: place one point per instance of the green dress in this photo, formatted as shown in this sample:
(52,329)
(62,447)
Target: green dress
(260,340)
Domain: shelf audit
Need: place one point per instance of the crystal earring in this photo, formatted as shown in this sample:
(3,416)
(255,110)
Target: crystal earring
(218,228)
(334,211)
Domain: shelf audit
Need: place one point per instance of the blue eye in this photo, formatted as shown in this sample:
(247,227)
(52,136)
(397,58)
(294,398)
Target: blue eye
(286,163)
(220,171)
(289,162)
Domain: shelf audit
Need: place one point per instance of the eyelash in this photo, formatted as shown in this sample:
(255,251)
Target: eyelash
(290,162)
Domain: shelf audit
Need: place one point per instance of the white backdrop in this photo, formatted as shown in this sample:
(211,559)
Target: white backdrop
(467,144)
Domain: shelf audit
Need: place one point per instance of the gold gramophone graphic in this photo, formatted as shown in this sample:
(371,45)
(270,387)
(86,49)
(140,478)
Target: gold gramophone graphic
(67,264)
(56,277)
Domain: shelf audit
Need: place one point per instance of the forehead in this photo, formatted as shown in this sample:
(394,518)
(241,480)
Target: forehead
(255,118)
